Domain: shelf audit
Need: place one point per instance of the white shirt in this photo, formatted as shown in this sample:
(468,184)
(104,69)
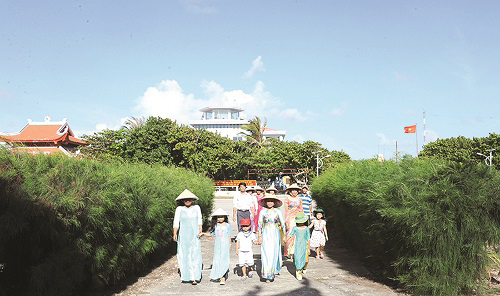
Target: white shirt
(242,201)
(246,240)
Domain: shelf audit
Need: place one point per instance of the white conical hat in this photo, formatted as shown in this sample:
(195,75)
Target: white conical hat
(271,188)
(293,186)
(219,212)
(186,194)
(258,188)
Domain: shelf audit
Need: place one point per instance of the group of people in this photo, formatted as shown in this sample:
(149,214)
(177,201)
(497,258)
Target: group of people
(260,221)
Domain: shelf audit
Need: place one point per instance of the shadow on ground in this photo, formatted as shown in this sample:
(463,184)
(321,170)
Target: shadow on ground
(305,289)
(155,261)
(354,264)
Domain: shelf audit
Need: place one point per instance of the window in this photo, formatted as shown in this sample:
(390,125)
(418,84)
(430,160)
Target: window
(208,115)
(235,115)
(221,114)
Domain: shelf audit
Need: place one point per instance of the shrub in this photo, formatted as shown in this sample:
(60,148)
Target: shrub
(65,221)
(427,223)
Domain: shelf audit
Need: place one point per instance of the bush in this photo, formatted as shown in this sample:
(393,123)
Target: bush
(426,223)
(65,221)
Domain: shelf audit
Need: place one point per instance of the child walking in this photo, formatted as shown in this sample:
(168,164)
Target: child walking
(244,241)
(222,246)
(319,234)
(302,240)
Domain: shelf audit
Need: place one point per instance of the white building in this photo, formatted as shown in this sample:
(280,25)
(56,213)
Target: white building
(227,122)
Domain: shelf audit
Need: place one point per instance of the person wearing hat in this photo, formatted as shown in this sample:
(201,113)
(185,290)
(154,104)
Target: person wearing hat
(271,190)
(293,205)
(307,202)
(187,233)
(259,194)
(242,205)
(221,230)
(251,190)
(269,237)
(302,238)
(320,234)
(244,241)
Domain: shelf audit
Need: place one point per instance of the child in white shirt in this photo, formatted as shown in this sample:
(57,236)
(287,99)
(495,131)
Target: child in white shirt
(244,241)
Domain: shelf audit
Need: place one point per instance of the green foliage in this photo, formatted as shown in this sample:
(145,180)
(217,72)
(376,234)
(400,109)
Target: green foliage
(426,223)
(162,141)
(64,221)
(254,132)
(462,149)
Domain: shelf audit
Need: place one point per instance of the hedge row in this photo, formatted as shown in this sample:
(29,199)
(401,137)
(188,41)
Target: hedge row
(425,223)
(65,222)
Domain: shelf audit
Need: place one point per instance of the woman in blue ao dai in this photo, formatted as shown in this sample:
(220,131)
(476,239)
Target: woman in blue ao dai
(187,233)
(269,236)
(222,246)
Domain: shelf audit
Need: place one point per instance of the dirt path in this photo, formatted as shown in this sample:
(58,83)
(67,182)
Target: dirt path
(337,274)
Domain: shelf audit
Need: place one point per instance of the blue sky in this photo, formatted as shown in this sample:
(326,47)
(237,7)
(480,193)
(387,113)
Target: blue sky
(348,74)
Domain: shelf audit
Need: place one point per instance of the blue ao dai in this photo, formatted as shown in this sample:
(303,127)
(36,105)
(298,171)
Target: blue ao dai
(222,247)
(187,221)
(269,220)
(302,236)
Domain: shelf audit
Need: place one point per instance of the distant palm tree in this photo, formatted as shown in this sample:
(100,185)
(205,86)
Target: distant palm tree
(133,123)
(254,132)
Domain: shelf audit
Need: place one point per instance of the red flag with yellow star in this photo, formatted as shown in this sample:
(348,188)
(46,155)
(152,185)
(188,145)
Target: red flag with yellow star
(411,129)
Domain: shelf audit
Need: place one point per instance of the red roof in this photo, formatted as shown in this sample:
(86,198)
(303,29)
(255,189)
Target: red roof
(57,133)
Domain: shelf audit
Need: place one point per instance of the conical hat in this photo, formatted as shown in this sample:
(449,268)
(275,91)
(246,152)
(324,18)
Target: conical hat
(219,212)
(272,188)
(250,188)
(293,186)
(277,203)
(258,188)
(186,194)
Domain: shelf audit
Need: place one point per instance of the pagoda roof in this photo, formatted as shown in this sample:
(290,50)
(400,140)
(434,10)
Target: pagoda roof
(44,132)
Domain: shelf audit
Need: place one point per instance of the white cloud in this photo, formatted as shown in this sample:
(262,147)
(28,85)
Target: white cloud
(430,136)
(293,114)
(257,65)
(383,140)
(340,110)
(169,100)
(199,6)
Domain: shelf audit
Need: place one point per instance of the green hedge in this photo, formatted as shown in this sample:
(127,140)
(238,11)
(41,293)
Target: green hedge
(425,223)
(65,222)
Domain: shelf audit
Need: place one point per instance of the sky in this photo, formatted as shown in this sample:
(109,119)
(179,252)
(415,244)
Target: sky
(347,74)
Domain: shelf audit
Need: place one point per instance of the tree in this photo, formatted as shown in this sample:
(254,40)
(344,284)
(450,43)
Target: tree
(462,149)
(254,132)
(133,123)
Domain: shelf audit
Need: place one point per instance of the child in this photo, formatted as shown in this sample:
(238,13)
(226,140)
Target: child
(319,234)
(222,246)
(244,241)
(302,240)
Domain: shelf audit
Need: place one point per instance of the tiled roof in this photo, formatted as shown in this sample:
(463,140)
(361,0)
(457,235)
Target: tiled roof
(44,132)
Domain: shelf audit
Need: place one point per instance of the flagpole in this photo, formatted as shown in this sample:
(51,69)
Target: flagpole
(396,151)
(424,127)
(416,139)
